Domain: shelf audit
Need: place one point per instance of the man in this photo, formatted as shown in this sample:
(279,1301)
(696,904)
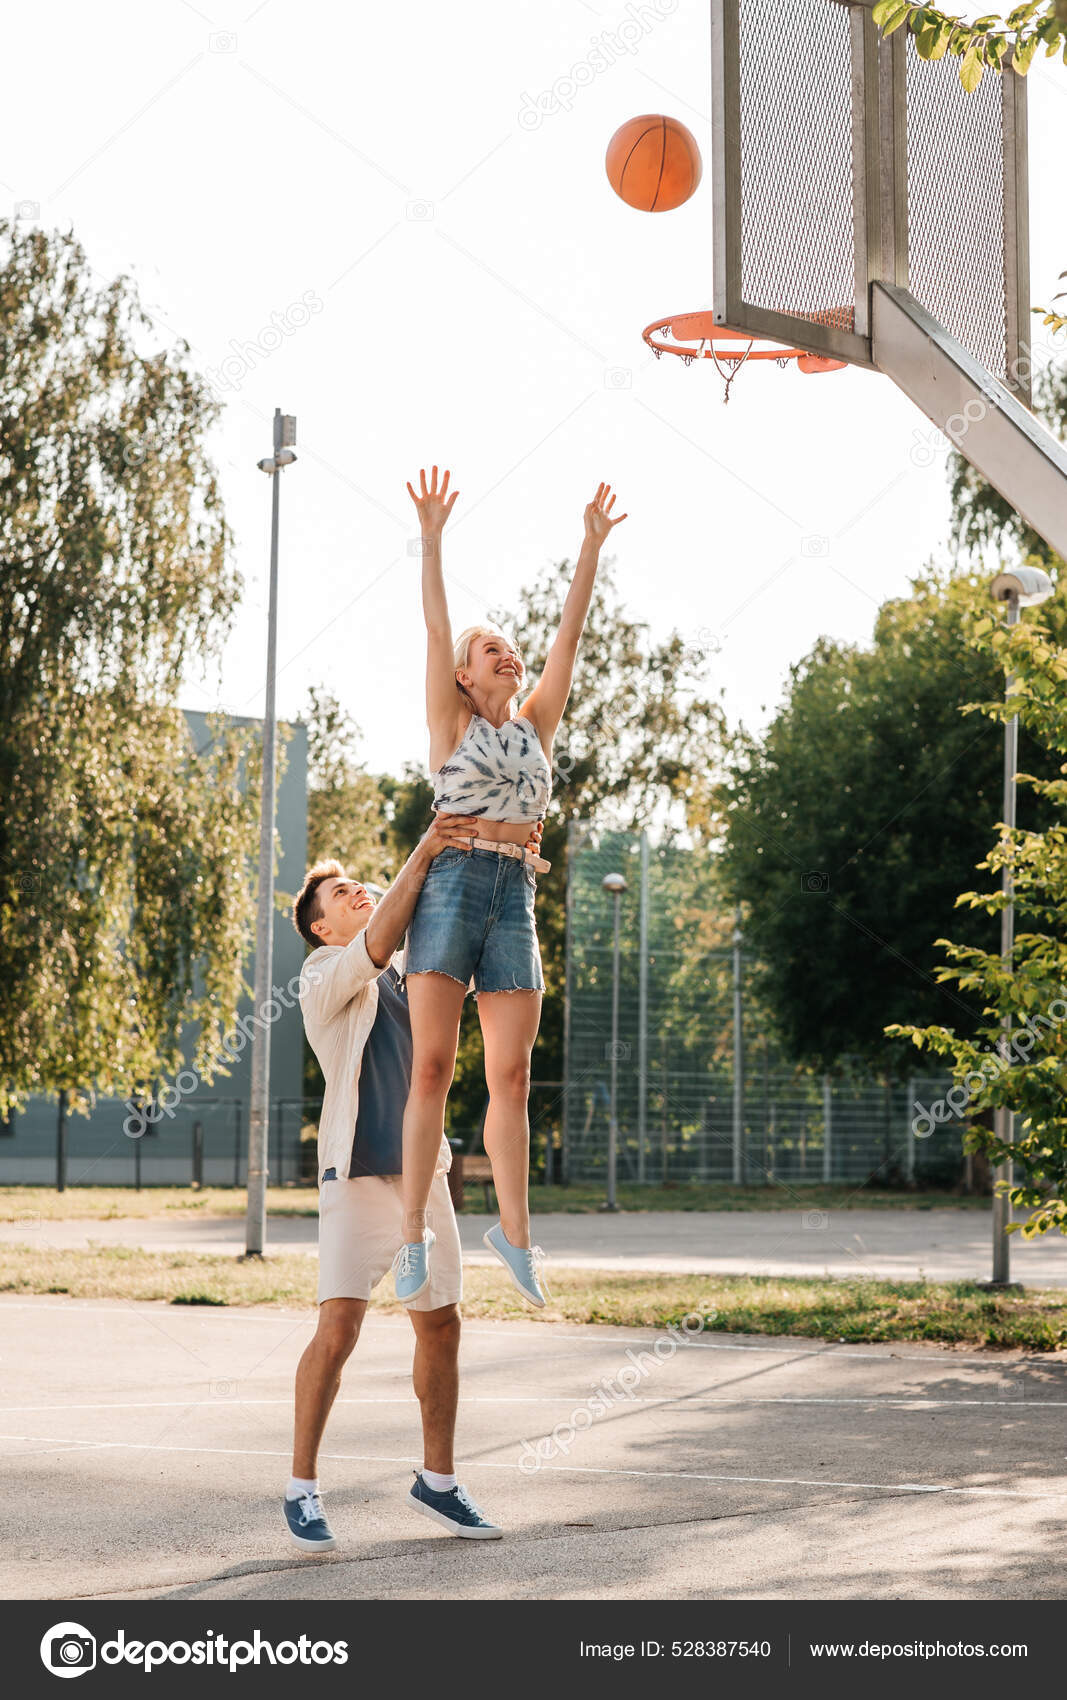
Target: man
(354,1006)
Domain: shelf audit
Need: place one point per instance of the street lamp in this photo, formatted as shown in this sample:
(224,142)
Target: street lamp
(615,884)
(1023,587)
(256,1219)
(737,1168)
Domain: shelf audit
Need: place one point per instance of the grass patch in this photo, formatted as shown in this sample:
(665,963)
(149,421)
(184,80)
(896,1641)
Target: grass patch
(945,1313)
(702,1195)
(30,1204)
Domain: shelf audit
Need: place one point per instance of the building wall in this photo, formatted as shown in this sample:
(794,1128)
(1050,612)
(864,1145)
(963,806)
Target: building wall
(101,1152)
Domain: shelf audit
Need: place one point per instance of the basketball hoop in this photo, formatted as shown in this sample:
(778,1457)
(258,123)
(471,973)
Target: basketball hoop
(728,349)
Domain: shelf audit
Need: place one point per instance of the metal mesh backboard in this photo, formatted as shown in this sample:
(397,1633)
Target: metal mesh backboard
(843,159)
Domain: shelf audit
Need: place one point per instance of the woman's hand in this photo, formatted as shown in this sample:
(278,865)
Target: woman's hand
(598,520)
(534,841)
(434,506)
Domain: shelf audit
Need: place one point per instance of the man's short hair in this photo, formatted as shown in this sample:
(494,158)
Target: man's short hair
(308,907)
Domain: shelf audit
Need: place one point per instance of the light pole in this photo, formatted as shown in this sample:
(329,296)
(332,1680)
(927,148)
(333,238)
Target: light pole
(616,885)
(256,1219)
(1025,587)
(739,1057)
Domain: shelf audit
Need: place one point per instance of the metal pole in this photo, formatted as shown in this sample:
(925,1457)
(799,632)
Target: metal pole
(909,1162)
(739,1085)
(613,1126)
(61,1143)
(1003,1119)
(259,1117)
(827,1129)
(642,1016)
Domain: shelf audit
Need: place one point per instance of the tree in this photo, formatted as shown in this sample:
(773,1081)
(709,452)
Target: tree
(1027,1074)
(851,824)
(127,879)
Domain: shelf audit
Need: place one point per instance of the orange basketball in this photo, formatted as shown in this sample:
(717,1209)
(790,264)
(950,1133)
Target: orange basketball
(653,163)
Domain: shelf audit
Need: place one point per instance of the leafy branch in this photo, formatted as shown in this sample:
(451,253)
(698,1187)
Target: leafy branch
(988,43)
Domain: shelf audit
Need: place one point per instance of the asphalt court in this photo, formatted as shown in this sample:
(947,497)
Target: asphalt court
(145,1448)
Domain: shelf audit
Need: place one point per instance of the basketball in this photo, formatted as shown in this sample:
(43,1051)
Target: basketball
(653,163)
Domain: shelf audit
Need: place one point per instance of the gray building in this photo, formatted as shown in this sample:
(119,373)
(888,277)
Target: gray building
(201,1131)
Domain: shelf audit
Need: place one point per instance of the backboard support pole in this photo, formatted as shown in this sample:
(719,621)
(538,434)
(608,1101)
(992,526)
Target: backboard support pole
(977,413)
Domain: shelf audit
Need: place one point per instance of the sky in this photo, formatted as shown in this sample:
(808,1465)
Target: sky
(362,215)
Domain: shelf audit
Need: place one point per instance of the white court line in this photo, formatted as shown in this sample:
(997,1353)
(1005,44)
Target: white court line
(222,1401)
(229,1313)
(552,1469)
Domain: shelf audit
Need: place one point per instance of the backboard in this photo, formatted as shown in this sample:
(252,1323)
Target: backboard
(840,160)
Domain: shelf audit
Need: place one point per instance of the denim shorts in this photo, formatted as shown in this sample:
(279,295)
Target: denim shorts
(475,920)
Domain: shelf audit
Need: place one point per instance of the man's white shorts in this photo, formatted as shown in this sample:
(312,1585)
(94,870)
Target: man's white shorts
(360,1224)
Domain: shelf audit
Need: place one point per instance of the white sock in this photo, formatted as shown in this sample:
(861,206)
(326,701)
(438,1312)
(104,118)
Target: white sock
(298,1486)
(439,1484)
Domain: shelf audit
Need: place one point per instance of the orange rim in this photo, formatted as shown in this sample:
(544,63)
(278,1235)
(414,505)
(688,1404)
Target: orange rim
(719,343)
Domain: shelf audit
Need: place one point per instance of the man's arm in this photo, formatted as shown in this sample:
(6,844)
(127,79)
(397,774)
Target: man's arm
(388,924)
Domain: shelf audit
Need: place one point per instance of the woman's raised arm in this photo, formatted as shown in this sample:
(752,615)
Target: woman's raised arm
(548,699)
(442,702)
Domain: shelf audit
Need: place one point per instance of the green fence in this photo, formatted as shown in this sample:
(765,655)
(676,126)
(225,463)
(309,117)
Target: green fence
(684,1111)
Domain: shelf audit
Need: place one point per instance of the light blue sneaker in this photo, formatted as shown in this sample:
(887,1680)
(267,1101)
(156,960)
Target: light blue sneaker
(411,1267)
(455,1510)
(521,1264)
(307,1523)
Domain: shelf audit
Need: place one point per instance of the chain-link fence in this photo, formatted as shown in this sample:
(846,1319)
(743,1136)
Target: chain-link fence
(690,1104)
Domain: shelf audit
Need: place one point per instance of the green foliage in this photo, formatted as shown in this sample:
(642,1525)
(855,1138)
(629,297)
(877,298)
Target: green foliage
(1031,1079)
(986,43)
(124,854)
(851,823)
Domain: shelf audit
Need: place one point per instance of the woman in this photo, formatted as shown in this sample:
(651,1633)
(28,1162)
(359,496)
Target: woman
(475,916)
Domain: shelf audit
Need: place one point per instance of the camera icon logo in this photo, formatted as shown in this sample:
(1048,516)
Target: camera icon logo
(815,880)
(618,378)
(815,545)
(419,211)
(223,41)
(68,1649)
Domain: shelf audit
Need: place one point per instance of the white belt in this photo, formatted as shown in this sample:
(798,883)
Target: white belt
(518,852)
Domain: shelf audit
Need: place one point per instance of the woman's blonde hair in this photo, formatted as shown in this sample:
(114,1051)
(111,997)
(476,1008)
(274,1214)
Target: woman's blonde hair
(461,649)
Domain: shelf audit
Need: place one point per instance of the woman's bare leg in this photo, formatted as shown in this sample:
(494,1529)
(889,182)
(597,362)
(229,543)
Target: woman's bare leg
(509,1027)
(435,1002)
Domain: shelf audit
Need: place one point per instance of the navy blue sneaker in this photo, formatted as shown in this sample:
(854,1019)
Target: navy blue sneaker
(455,1510)
(307,1524)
